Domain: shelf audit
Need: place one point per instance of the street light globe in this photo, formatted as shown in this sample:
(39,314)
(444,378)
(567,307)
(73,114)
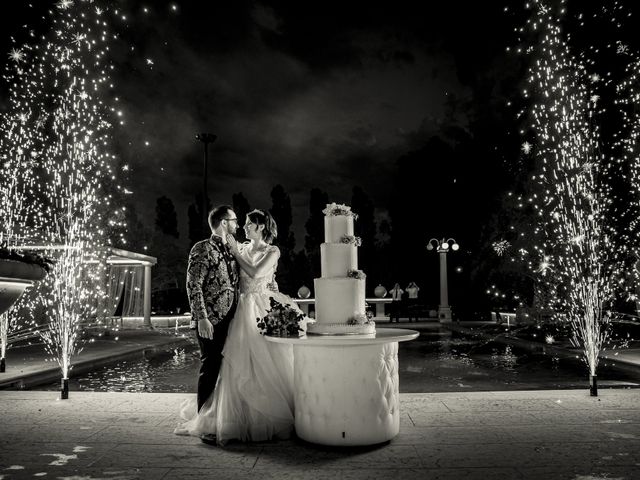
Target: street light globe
(429,246)
(455,246)
(444,246)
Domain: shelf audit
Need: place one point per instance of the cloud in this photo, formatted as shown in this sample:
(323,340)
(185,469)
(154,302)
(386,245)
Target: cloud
(266,18)
(279,117)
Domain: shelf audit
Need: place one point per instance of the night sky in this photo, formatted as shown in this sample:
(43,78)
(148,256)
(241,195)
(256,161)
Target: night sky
(302,94)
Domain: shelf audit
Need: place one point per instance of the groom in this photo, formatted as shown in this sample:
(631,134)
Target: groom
(212,288)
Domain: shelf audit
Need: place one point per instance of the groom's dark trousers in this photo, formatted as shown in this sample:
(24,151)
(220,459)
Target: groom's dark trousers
(211,356)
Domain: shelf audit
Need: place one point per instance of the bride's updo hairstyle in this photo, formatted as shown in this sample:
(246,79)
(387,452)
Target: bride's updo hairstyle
(262,217)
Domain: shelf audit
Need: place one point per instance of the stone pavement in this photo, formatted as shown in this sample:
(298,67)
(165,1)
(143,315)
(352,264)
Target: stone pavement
(485,435)
(543,435)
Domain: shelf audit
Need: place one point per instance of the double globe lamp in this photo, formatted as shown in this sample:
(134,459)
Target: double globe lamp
(442,247)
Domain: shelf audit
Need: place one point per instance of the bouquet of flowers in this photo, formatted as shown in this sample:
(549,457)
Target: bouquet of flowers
(281,320)
(337,209)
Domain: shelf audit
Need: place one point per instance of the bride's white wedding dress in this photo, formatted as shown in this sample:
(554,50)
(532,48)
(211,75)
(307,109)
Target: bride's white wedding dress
(253,399)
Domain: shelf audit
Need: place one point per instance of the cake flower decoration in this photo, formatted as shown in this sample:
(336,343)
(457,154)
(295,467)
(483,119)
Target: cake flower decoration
(351,240)
(339,209)
(357,274)
(359,319)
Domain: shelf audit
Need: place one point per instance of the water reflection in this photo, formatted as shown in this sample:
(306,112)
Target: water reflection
(504,358)
(171,370)
(438,361)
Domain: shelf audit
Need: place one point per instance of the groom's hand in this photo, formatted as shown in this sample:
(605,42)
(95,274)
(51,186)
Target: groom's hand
(205,329)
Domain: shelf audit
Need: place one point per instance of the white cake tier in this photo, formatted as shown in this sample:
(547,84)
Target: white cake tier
(336,259)
(338,299)
(340,329)
(336,227)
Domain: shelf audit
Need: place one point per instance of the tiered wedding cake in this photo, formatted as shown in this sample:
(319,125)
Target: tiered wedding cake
(340,292)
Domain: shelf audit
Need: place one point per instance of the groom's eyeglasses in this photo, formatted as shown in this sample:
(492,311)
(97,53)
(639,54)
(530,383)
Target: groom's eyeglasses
(231,219)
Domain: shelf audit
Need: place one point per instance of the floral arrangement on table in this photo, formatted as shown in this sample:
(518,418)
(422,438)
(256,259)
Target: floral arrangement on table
(338,209)
(281,320)
(360,319)
(357,274)
(351,240)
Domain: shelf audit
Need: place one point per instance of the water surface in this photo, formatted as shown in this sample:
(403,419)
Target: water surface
(437,361)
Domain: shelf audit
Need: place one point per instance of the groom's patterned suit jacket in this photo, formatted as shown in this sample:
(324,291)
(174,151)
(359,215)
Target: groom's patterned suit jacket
(212,280)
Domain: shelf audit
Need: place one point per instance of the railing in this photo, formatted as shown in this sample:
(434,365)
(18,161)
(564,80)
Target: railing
(180,321)
(504,317)
(380,313)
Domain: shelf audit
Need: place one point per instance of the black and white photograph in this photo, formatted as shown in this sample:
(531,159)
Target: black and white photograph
(319,240)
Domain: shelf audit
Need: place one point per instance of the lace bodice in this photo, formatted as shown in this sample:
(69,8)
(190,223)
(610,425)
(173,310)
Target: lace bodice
(257,284)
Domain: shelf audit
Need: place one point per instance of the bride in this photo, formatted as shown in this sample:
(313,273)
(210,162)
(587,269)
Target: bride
(253,399)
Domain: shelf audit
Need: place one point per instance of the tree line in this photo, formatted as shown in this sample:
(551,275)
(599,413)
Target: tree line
(297,267)
(449,202)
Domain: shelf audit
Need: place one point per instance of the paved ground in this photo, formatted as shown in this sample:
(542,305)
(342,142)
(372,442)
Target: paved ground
(478,435)
(484,435)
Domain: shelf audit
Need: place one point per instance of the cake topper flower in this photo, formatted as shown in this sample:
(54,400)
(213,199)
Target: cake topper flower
(339,209)
(351,240)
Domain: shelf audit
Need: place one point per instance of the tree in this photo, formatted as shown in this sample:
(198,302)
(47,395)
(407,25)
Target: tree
(166,218)
(194,213)
(241,207)
(301,271)
(501,270)
(315,229)
(138,236)
(365,228)
(281,212)
(422,209)
(170,272)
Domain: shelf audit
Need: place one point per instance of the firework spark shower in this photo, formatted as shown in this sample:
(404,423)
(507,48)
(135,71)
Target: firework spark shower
(56,153)
(588,247)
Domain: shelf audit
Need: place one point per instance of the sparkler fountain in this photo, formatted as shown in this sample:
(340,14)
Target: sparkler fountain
(55,139)
(587,245)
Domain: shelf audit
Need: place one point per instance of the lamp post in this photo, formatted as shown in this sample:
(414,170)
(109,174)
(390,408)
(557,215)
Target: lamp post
(206,139)
(442,247)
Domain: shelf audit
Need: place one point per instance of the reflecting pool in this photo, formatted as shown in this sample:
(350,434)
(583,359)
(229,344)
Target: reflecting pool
(437,361)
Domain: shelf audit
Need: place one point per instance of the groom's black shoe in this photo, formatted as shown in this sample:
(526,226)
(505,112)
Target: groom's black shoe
(209,439)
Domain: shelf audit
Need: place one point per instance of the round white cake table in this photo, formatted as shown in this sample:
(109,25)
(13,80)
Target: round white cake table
(346,386)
